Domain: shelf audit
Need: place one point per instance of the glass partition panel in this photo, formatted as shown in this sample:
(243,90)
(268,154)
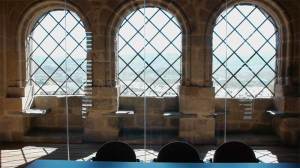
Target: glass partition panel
(245,49)
(55,74)
(163,60)
(77,67)
(78,74)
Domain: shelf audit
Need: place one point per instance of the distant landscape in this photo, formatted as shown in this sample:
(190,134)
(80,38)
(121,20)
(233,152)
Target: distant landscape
(160,87)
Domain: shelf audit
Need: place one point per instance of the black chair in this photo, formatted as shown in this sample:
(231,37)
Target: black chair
(234,152)
(178,152)
(115,151)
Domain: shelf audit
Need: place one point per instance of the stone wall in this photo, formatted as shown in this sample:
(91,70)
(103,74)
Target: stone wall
(155,109)
(196,93)
(56,117)
(260,121)
(288,129)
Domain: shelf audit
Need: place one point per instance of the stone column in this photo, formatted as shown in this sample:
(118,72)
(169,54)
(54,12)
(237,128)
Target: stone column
(99,125)
(198,101)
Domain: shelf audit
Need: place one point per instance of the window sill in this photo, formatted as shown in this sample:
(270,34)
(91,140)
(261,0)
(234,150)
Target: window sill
(121,114)
(36,112)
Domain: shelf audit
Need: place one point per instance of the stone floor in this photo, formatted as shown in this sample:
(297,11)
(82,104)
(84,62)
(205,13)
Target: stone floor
(19,155)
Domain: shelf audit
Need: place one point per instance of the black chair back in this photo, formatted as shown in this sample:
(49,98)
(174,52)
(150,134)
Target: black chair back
(115,151)
(234,152)
(178,152)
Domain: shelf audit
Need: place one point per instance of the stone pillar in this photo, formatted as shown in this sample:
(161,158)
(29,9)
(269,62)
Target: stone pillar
(198,101)
(287,98)
(99,125)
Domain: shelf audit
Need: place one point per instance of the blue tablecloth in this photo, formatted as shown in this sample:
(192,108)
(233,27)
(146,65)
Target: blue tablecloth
(81,164)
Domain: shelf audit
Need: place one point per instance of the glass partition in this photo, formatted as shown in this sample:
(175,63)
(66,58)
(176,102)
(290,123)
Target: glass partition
(79,74)
(245,49)
(163,71)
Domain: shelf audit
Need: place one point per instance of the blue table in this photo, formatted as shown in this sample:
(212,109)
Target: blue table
(81,164)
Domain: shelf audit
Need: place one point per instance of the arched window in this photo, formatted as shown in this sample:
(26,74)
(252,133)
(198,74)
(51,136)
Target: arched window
(153,70)
(57,54)
(245,40)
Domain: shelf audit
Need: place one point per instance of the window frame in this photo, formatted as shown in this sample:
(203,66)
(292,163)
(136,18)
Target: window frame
(180,57)
(277,34)
(80,22)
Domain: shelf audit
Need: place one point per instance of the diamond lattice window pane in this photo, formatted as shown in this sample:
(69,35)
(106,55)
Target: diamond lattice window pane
(245,29)
(220,75)
(39,77)
(256,40)
(171,31)
(243,94)
(171,53)
(49,66)
(245,9)
(235,41)
(121,43)
(220,27)
(256,63)
(273,40)
(137,20)
(72,22)
(137,84)
(76,33)
(58,15)
(48,45)
(244,75)
(177,42)
(272,63)
(244,39)
(177,67)
(127,53)
(127,31)
(234,17)
(257,17)
(217,41)
(160,42)
(127,76)
(59,53)
(39,56)
(58,33)
(151,31)
(267,29)
(267,51)
(136,63)
(160,65)
(137,42)
(245,52)
(57,77)
(234,64)
(222,52)
(160,19)
(233,87)
(217,64)
(48,23)
(266,75)
(150,55)
(40,34)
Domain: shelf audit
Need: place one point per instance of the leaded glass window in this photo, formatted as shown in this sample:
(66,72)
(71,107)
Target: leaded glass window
(245,40)
(58,54)
(149,53)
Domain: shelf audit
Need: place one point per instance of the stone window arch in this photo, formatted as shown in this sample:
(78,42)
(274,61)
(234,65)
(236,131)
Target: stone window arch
(173,14)
(155,51)
(28,23)
(252,40)
(58,54)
